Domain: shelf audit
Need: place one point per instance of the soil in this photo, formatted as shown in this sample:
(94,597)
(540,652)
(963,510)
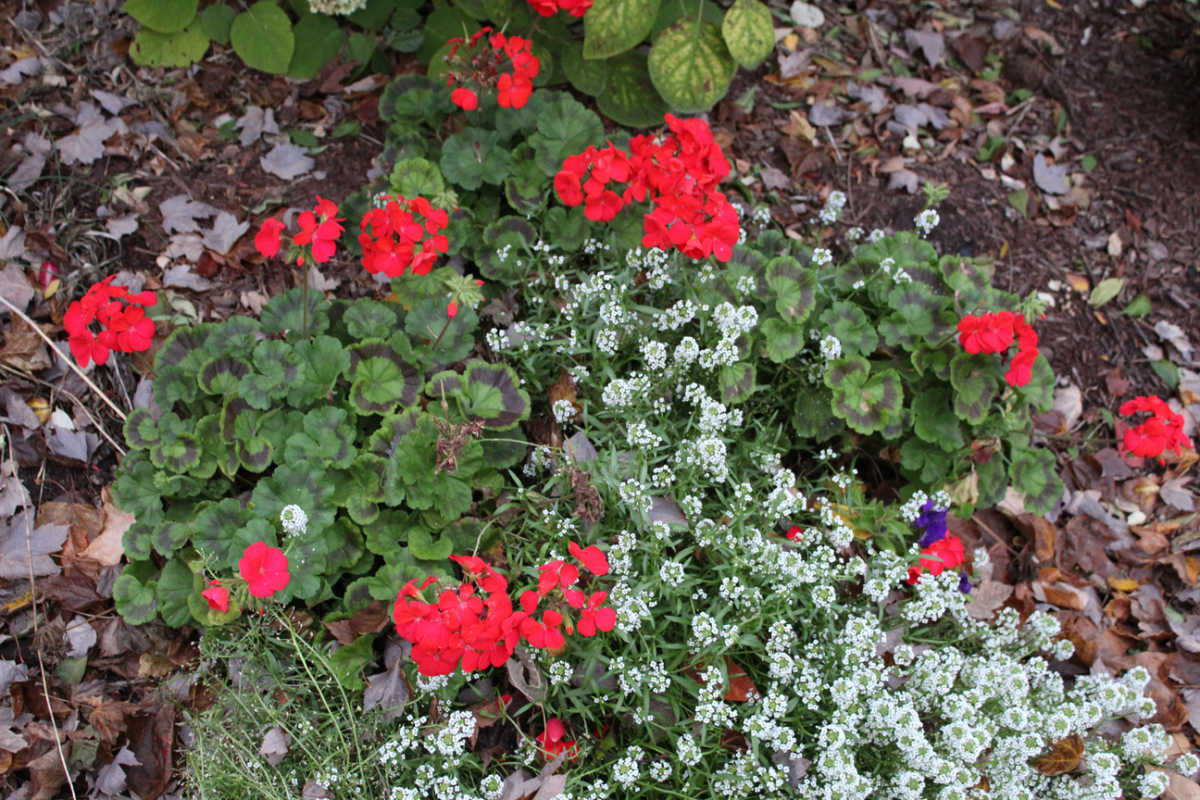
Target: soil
(1119,85)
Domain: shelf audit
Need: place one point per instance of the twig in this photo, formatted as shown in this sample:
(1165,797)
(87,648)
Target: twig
(836,152)
(62,758)
(73,398)
(69,363)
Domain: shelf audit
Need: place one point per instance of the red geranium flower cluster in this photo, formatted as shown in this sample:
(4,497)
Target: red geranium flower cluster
(402,235)
(548,8)
(946,553)
(476,68)
(122,318)
(678,173)
(994,333)
(1163,431)
(262,567)
(319,230)
(462,628)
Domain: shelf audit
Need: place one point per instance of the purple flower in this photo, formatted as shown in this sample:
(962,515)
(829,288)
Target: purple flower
(964,585)
(932,521)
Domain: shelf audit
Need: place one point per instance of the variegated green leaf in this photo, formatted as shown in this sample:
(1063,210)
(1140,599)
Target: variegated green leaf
(690,66)
(748,32)
(630,98)
(612,27)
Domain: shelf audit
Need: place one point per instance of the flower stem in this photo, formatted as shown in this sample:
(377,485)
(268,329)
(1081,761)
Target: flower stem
(70,363)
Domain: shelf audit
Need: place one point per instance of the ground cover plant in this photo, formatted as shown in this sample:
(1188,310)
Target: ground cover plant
(740,617)
(551,464)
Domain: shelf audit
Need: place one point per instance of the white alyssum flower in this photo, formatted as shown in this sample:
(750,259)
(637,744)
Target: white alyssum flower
(343,7)
(294,520)
(927,220)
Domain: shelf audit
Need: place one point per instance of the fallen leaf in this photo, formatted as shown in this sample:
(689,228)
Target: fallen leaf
(931,43)
(12,245)
(826,113)
(1050,178)
(1064,756)
(87,143)
(106,548)
(110,779)
(1105,291)
(122,226)
(1181,788)
(225,231)
(986,598)
(15,286)
(1173,492)
(775,178)
(287,161)
(182,276)
(872,95)
(807,15)
(1172,333)
(79,637)
(275,745)
(903,179)
(254,123)
(387,690)
(25,550)
(181,212)
(1122,584)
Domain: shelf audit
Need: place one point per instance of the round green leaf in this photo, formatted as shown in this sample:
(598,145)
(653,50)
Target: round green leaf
(1034,473)
(749,33)
(176,583)
(781,341)
(318,40)
(216,20)
(589,77)
(474,156)
(262,36)
(163,16)
(630,98)
(134,596)
(181,49)
(611,27)
(690,67)
(412,177)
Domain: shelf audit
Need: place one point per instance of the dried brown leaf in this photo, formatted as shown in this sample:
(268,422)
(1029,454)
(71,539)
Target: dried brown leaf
(1064,756)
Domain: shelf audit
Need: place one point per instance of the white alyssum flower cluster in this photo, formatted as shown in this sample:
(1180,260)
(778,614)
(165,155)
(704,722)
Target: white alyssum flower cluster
(343,7)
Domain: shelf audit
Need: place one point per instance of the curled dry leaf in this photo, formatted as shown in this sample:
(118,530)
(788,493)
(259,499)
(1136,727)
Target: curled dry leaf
(1064,756)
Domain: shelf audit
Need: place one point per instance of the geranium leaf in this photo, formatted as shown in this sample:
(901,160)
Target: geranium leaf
(175,584)
(222,376)
(934,420)
(873,406)
(473,156)
(847,374)
(285,312)
(781,341)
(1034,473)
(381,380)
(794,287)
(321,361)
(974,387)
(565,127)
(849,323)
(416,177)
(134,593)
(326,438)
(736,382)
(492,393)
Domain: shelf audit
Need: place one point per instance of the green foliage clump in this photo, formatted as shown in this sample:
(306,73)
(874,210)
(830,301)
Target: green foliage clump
(369,417)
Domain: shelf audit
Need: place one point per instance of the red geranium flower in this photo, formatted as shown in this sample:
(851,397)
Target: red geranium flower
(593,558)
(264,568)
(217,596)
(267,241)
(464,98)
(320,228)
(1161,432)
